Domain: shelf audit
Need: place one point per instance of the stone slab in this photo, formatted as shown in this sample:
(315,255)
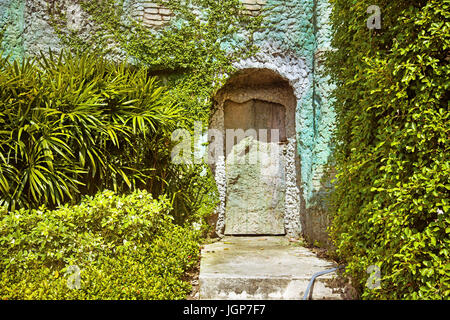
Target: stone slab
(261,268)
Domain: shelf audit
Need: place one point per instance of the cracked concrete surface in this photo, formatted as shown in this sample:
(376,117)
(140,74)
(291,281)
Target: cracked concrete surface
(262,267)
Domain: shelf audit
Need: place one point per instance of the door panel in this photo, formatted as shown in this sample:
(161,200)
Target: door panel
(255,169)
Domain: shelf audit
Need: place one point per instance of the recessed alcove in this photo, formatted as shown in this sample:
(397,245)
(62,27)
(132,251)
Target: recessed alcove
(255,111)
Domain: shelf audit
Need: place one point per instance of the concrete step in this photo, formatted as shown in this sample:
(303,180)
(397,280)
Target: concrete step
(262,268)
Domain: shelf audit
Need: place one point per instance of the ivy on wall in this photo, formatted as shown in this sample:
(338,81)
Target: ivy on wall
(193,52)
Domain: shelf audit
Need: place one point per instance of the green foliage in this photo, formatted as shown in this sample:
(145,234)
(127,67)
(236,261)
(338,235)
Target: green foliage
(193,52)
(391,199)
(127,247)
(73,125)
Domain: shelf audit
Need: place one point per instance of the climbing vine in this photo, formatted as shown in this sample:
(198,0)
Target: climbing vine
(191,54)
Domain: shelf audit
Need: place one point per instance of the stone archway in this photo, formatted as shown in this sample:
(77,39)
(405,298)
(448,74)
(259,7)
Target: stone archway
(258,175)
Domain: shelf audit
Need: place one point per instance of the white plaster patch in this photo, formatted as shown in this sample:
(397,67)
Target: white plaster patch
(221,182)
(272,57)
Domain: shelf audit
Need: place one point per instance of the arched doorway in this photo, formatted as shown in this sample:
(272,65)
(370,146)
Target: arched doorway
(255,111)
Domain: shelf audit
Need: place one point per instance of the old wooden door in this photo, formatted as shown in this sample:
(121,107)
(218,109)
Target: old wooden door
(254,144)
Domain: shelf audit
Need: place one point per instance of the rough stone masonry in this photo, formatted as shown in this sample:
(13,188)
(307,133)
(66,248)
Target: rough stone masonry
(288,67)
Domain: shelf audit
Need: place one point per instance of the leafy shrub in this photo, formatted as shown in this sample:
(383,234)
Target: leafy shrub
(127,247)
(391,199)
(76,124)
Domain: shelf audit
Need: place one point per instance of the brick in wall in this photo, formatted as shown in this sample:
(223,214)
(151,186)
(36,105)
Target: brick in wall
(154,15)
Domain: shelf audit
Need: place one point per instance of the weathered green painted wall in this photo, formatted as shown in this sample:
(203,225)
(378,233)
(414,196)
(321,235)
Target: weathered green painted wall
(12,25)
(316,217)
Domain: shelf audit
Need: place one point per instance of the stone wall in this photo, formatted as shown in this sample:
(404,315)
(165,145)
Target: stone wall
(316,219)
(292,44)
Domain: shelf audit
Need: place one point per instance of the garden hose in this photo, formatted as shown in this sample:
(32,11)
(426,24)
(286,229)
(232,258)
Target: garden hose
(318,274)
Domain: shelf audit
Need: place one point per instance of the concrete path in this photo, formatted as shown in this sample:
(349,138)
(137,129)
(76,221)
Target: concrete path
(261,268)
